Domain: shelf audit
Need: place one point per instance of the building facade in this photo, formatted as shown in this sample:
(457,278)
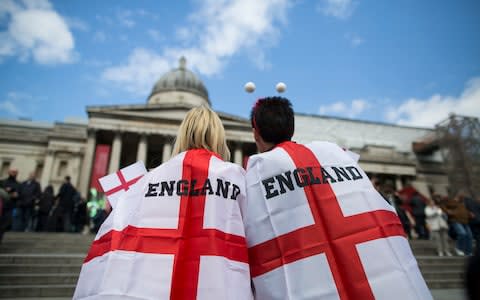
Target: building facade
(118,135)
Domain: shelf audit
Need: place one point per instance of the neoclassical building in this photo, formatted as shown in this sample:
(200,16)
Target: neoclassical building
(118,135)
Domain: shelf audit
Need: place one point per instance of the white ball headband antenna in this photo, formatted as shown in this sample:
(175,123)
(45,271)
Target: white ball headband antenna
(281,87)
(250,87)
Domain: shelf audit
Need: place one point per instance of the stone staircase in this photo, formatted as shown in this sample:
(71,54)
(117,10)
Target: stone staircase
(439,272)
(41,265)
(46,265)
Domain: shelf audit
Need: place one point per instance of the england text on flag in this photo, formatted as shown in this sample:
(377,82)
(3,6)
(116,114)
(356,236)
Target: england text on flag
(187,245)
(317,228)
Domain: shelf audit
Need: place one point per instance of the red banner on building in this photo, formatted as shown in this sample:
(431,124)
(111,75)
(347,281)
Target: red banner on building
(100,165)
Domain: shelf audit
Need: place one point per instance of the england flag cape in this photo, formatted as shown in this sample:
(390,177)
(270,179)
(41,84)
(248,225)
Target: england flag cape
(177,233)
(317,229)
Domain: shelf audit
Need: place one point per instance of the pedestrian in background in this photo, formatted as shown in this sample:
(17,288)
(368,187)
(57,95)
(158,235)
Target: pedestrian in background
(11,186)
(437,223)
(44,205)
(459,217)
(418,212)
(473,205)
(29,193)
(66,203)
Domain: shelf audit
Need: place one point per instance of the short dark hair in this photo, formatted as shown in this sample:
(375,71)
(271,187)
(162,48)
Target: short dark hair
(273,118)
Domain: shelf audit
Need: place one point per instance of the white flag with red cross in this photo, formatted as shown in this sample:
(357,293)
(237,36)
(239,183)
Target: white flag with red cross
(317,229)
(116,184)
(175,234)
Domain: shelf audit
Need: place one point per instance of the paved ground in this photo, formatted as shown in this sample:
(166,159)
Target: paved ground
(450,294)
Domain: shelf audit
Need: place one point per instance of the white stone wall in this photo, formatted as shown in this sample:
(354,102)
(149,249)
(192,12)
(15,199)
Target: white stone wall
(175,97)
(23,157)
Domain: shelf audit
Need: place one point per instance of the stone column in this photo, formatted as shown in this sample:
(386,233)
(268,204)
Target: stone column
(238,155)
(167,152)
(142,148)
(47,168)
(87,164)
(398,183)
(115,154)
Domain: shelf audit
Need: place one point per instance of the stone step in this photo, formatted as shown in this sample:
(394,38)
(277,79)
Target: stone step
(441,269)
(24,243)
(38,279)
(29,258)
(13,235)
(445,283)
(39,268)
(37,291)
(444,260)
(456,263)
(43,249)
(445,274)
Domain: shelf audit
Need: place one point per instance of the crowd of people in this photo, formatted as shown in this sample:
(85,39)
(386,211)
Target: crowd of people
(25,207)
(439,218)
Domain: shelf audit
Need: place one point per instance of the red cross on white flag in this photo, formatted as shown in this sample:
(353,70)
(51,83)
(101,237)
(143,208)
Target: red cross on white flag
(178,235)
(116,184)
(317,229)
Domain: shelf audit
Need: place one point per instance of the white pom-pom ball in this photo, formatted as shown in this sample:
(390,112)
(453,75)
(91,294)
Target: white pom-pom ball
(249,87)
(281,87)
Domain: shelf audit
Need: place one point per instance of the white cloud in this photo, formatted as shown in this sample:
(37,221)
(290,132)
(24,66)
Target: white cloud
(104,19)
(17,104)
(142,69)
(154,35)
(125,17)
(340,9)
(428,112)
(216,31)
(76,23)
(354,39)
(99,36)
(35,30)
(10,108)
(344,109)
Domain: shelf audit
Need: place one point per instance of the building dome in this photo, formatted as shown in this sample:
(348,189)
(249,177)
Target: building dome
(179,85)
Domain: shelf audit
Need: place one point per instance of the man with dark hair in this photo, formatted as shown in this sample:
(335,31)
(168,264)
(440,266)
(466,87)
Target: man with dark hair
(418,211)
(11,187)
(276,123)
(66,203)
(315,225)
(30,192)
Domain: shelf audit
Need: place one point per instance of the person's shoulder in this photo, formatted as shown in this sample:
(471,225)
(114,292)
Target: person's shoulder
(259,158)
(173,163)
(324,145)
(226,166)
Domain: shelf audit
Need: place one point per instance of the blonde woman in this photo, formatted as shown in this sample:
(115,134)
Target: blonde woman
(183,235)
(202,129)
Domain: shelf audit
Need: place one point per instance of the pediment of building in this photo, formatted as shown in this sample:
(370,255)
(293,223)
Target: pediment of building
(158,113)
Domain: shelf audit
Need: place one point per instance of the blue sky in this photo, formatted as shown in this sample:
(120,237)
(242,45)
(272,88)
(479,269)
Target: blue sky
(406,62)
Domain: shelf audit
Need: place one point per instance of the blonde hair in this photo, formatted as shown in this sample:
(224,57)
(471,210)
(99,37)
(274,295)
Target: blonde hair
(202,129)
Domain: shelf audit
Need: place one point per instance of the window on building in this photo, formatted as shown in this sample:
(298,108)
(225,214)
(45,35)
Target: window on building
(5,168)
(39,169)
(62,168)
